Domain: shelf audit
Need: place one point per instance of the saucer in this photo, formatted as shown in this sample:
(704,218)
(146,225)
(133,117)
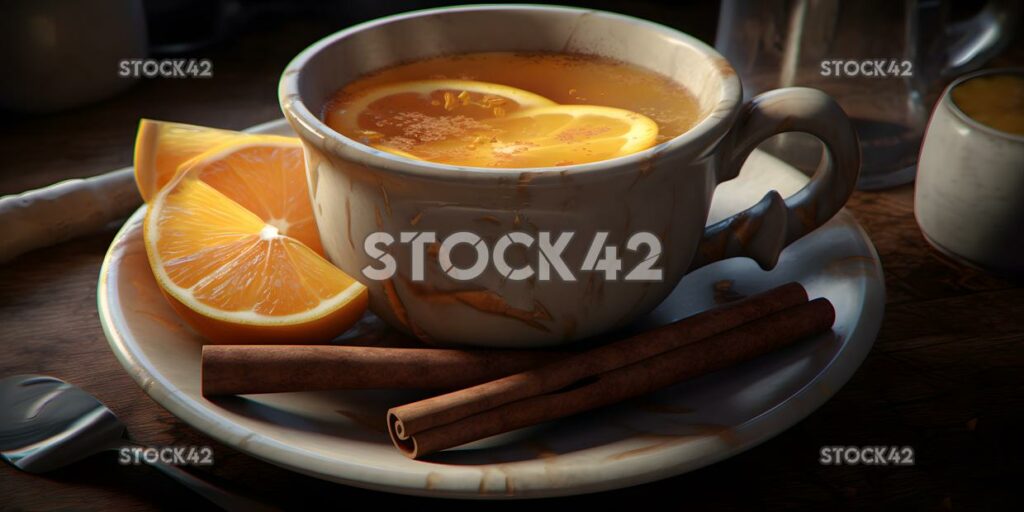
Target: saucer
(341,435)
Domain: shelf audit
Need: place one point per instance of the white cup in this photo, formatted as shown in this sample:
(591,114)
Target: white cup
(665,190)
(969,199)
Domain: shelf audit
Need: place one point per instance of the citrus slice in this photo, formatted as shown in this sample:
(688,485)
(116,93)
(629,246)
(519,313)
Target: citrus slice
(229,241)
(425,109)
(266,177)
(160,147)
(543,137)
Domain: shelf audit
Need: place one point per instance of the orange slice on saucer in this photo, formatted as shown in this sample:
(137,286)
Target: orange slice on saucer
(161,147)
(233,245)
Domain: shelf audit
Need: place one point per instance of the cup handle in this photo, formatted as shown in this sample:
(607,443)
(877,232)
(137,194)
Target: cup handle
(762,231)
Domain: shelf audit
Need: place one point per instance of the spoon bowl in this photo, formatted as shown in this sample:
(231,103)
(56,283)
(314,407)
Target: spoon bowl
(46,424)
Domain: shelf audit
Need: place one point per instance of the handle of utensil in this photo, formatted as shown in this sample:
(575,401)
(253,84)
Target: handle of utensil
(65,210)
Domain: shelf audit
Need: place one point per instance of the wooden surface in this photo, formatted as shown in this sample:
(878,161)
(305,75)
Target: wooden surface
(946,375)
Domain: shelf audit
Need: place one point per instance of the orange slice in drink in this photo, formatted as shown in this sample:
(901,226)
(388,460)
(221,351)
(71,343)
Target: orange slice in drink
(481,124)
(397,116)
(545,137)
(233,245)
(161,147)
(382,111)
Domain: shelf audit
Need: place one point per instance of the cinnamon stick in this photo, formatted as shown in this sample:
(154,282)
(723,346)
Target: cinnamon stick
(543,394)
(250,369)
(446,409)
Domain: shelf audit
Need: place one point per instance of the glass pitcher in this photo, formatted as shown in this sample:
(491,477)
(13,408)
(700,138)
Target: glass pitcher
(884,61)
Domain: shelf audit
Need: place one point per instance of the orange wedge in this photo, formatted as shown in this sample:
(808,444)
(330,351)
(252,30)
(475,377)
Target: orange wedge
(233,245)
(161,147)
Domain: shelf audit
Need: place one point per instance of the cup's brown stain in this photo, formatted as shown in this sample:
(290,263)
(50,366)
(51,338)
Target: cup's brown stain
(387,201)
(391,294)
(348,223)
(485,301)
(645,168)
(524,179)
(565,177)
(490,302)
(724,68)
(398,308)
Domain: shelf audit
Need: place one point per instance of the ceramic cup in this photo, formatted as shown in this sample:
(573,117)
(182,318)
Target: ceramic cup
(664,191)
(969,179)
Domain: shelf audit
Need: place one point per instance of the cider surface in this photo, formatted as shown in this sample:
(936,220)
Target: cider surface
(526,120)
(994,100)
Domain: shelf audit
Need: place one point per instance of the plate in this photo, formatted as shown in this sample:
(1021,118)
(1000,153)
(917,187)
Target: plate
(340,436)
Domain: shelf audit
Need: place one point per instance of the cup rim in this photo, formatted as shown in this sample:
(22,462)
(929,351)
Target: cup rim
(947,100)
(708,131)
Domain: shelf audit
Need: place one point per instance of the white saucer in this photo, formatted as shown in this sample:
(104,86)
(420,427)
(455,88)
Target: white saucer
(340,436)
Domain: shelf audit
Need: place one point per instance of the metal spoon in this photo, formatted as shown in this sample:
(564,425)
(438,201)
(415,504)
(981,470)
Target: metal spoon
(46,424)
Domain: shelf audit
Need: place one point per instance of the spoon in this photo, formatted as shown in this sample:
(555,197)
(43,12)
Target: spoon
(46,424)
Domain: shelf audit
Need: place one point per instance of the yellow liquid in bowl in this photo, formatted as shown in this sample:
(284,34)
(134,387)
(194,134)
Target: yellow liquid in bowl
(996,101)
(512,110)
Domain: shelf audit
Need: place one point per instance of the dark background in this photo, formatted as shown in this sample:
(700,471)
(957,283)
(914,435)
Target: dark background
(946,375)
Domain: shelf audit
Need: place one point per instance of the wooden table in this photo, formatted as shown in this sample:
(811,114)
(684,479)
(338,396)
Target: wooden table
(946,375)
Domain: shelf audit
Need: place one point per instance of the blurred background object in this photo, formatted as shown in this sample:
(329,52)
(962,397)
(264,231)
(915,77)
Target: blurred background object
(64,54)
(59,54)
(921,45)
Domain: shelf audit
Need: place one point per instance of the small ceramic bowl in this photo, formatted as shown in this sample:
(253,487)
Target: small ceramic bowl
(969,185)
